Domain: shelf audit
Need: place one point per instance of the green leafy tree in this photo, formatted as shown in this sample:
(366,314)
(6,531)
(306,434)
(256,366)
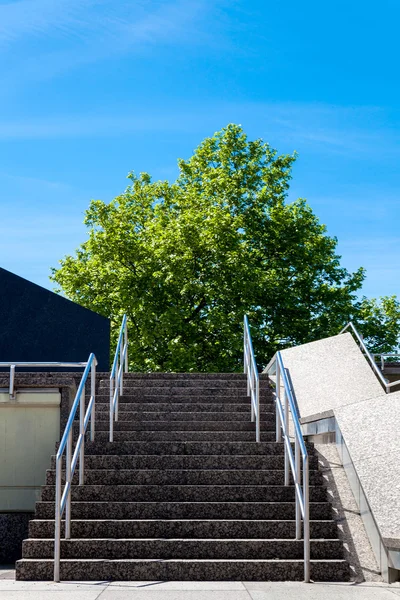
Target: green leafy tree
(379,322)
(186,260)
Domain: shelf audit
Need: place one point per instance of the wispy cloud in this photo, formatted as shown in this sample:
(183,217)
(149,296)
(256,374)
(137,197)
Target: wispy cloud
(79,32)
(359,131)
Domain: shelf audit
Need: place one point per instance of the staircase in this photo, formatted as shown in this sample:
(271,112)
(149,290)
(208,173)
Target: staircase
(184,492)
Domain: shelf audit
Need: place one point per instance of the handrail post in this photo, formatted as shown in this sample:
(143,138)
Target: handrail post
(278,399)
(258,409)
(126,343)
(68,481)
(297,481)
(82,433)
(286,417)
(12,380)
(306,521)
(93,395)
(111,409)
(57,524)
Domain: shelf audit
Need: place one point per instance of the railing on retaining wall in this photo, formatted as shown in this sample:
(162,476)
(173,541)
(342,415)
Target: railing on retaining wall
(63,501)
(253,379)
(371,358)
(286,406)
(35,365)
(120,365)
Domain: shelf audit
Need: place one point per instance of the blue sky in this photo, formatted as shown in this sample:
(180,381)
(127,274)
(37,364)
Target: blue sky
(91,89)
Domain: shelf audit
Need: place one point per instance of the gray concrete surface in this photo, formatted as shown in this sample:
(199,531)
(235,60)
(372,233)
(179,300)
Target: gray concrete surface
(224,590)
(329,374)
(358,551)
(370,430)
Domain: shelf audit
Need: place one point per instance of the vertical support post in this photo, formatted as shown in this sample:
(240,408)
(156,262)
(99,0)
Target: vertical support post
(121,362)
(278,399)
(57,532)
(116,387)
(68,483)
(111,409)
(306,521)
(126,344)
(257,409)
(286,417)
(93,395)
(82,436)
(297,481)
(12,380)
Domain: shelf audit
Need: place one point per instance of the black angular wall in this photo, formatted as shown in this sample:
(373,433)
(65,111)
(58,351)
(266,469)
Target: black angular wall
(37,325)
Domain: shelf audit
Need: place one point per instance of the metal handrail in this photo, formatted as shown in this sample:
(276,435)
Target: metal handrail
(117,374)
(34,365)
(383,355)
(253,379)
(302,494)
(370,357)
(63,502)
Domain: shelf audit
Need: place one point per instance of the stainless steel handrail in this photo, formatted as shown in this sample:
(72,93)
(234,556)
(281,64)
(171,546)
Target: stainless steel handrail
(383,355)
(253,379)
(370,357)
(302,494)
(63,502)
(34,365)
(117,374)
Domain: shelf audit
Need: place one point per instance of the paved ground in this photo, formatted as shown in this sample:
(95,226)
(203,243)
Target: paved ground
(220,590)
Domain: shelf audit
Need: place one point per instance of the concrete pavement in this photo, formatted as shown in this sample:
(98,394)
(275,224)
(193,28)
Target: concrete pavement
(220,590)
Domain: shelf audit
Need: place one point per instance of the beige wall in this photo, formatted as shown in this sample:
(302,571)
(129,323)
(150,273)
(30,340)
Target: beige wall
(29,429)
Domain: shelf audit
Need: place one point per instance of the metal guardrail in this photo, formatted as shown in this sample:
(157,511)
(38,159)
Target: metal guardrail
(383,356)
(371,358)
(253,379)
(117,374)
(285,405)
(63,501)
(34,365)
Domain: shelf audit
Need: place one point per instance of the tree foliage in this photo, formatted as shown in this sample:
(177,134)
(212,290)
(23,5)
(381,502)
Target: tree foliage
(186,260)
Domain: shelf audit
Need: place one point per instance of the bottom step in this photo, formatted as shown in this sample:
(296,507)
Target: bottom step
(182,570)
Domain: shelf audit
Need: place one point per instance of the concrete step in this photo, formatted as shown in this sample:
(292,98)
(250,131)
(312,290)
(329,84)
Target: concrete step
(183,436)
(183,407)
(184,390)
(181,425)
(186,448)
(183,477)
(133,398)
(153,528)
(173,462)
(123,548)
(182,570)
(186,510)
(143,416)
(184,493)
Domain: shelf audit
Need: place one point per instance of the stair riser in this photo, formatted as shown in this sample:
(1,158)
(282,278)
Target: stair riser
(184,448)
(186,462)
(200,384)
(184,571)
(183,548)
(184,529)
(201,493)
(185,510)
(133,398)
(233,426)
(153,477)
(182,436)
(194,408)
(143,416)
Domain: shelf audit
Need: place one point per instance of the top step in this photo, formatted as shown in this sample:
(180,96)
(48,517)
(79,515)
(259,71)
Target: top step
(186,376)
